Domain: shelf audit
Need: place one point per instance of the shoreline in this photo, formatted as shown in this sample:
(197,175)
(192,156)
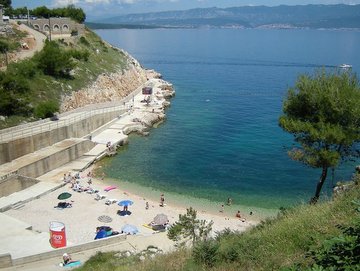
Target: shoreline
(82,218)
(184,201)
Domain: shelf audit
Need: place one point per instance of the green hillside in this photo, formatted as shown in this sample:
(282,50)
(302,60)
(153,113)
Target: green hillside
(32,89)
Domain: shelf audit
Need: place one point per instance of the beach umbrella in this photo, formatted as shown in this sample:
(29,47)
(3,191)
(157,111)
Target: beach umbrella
(126,202)
(64,195)
(129,229)
(105,218)
(160,219)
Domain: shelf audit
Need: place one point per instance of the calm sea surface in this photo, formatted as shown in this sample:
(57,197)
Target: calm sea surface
(221,138)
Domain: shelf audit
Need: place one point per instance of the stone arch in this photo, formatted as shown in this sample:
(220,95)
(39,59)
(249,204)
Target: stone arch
(36,27)
(46,28)
(65,28)
(56,27)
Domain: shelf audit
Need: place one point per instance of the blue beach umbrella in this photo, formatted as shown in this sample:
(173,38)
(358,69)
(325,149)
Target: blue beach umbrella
(129,229)
(126,202)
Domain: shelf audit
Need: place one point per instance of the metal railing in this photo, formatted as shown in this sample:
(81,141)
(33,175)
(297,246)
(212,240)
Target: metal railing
(65,119)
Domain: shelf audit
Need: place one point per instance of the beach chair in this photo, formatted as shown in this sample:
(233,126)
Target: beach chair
(99,197)
(111,201)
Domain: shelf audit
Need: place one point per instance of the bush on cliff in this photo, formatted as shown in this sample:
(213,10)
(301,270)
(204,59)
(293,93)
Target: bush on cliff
(46,109)
(54,61)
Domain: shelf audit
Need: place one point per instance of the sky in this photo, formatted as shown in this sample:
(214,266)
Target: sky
(95,9)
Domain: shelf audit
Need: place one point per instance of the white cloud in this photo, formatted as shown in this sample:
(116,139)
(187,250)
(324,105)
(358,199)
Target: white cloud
(97,1)
(79,2)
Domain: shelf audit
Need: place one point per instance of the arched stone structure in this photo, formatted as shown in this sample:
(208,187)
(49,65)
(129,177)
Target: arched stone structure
(57,27)
(46,27)
(65,27)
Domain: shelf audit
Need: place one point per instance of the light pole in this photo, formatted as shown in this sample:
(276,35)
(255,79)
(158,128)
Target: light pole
(49,29)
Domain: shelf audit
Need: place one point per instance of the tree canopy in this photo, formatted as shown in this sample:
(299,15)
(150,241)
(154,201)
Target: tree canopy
(189,228)
(71,11)
(77,14)
(5,3)
(323,114)
(54,61)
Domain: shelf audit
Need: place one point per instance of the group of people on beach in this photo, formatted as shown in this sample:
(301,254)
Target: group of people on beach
(74,180)
(238,213)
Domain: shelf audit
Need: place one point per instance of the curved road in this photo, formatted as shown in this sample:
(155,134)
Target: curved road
(39,42)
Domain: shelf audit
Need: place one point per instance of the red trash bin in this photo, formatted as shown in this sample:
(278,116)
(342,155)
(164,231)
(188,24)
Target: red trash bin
(57,234)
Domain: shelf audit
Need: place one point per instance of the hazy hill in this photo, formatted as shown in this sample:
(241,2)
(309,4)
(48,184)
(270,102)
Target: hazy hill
(309,16)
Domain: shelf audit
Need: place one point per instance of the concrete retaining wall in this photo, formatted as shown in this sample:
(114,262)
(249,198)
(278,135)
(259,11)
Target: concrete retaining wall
(56,160)
(5,260)
(14,184)
(22,146)
(73,249)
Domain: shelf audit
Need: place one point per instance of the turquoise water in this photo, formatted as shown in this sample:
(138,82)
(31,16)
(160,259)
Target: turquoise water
(221,138)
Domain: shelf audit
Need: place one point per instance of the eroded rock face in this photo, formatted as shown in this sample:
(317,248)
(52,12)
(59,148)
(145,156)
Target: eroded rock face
(110,87)
(106,88)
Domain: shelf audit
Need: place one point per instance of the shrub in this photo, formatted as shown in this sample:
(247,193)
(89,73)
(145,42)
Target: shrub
(46,109)
(204,253)
(340,252)
(84,41)
(25,68)
(54,61)
(13,104)
(15,83)
(80,55)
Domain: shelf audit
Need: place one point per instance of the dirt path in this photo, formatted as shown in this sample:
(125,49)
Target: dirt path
(35,41)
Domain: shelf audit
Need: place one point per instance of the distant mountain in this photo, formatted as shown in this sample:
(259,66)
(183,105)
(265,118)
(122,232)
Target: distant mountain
(301,16)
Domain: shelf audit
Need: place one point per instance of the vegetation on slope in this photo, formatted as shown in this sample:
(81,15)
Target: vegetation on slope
(310,237)
(63,66)
(323,115)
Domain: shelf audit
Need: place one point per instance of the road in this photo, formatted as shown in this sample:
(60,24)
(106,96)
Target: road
(38,44)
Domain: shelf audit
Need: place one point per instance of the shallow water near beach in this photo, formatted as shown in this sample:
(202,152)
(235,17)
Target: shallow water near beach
(221,138)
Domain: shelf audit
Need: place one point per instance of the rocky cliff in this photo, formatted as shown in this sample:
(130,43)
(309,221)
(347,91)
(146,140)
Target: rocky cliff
(109,87)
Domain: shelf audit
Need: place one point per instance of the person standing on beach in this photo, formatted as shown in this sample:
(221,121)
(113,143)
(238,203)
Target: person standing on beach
(229,201)
(222,208)
(162,200)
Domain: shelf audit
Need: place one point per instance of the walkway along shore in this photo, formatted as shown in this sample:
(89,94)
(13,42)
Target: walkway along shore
(26,214)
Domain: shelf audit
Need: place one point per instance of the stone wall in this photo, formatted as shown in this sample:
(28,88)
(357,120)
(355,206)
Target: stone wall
(57,26)
(14,184)
(22,146)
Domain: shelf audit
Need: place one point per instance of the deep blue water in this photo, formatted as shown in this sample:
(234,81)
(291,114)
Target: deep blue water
(221,137)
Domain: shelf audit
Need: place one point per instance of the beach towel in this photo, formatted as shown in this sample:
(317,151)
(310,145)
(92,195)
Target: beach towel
(111,187)
(72,264)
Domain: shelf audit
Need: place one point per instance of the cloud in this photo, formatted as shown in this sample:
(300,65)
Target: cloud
(79,2)
(95,2)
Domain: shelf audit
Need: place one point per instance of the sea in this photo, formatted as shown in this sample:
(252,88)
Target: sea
(221,137)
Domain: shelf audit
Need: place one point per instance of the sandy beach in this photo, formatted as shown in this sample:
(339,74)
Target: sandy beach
(81,219)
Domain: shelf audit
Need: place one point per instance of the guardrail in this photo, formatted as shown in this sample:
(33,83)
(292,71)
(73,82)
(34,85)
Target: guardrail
(65,119)
(48,125)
